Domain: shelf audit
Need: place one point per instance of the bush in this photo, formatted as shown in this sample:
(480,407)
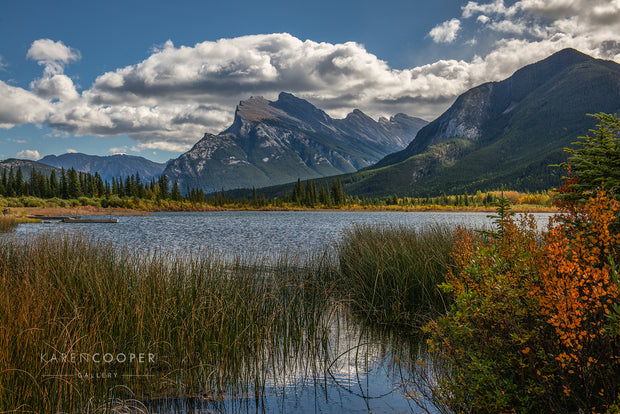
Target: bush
(535,322)
(31,201)
(112,201)
(86,201)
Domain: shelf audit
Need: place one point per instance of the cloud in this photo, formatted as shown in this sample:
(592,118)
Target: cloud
(57,86)
(17,141)
(496,7)
(179,93)
(29,154)
(588,25)
(170,99)
(118,150)
(54,84)
(72,151)
(164,146)
(19,106)
(445,32)
(48,52)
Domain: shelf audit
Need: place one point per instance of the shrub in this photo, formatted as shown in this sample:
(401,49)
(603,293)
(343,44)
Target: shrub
(534,326)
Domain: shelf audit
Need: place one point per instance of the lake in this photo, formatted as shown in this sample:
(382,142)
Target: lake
(368,370)
(255,233)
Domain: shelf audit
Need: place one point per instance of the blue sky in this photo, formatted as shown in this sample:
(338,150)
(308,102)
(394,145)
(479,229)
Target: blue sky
(150,78)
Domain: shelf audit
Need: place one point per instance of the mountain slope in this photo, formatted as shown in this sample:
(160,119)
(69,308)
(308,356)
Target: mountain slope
(112,166)
(26,166)
(276,142)
(506,132)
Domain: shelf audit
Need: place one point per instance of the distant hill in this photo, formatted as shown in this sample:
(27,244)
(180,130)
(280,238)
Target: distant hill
(276,142)
(26,166)
(506,132)
(108,167)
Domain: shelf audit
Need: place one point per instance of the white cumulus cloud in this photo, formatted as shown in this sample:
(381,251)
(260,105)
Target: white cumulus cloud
(445,32)
(118,150)
(29,154)
(47,51)
(170,99)
(164,146)
(54,84)
(19,106)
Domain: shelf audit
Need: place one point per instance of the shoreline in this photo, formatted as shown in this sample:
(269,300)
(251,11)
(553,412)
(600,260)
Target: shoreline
(100,211)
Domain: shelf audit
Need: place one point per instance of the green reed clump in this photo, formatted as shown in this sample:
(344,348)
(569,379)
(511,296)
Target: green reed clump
(391,273)
(8,224)
(195,325)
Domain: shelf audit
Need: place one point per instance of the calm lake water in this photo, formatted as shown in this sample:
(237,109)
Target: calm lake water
(368,372)
(254,233)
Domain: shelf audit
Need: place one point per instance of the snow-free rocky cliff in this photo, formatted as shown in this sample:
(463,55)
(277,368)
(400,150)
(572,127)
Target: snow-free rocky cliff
(277,142)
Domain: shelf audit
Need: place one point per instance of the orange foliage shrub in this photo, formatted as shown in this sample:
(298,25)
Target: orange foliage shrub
(535,322)
(578,292)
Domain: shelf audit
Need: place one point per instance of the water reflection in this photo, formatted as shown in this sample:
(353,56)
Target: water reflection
(363,370)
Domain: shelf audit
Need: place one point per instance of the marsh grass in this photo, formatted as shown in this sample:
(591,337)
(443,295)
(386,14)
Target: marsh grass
(8,224)
(202,326)
(391,273)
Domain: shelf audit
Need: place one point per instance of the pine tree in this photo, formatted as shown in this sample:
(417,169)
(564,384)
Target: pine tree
(63,184)
(337,192)
(596,164)
(254,198)
(163,187)
(100,188)
(73,184)
(309,198)
(176,193)
(18,185)
(298,192)
(324,195)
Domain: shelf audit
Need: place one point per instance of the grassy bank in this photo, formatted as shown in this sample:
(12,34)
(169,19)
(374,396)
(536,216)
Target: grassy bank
(9,223)
(201,326)
(105,205)
(391,273)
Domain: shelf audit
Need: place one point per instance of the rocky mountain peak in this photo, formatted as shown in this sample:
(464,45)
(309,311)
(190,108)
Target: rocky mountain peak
(275,142)
(356,114)
(257,109)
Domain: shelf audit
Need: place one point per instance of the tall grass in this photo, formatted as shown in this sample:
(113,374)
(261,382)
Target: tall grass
(391,273)
(202,327)
(8,224)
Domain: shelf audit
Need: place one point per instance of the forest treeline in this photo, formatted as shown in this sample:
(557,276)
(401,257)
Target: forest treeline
(133,192)
(71,184)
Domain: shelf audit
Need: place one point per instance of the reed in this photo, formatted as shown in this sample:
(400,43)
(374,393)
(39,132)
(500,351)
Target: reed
(391,273)
(74,310)
(8,224)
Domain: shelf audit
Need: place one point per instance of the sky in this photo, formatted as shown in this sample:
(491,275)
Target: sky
(150,78)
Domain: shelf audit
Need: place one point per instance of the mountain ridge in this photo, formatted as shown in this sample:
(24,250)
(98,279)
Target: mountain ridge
(108,167)
(499,133)
(275,142)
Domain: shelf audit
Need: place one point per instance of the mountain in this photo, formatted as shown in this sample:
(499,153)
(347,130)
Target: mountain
(26,166)
(277,142)
(108,167)
(506,132)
